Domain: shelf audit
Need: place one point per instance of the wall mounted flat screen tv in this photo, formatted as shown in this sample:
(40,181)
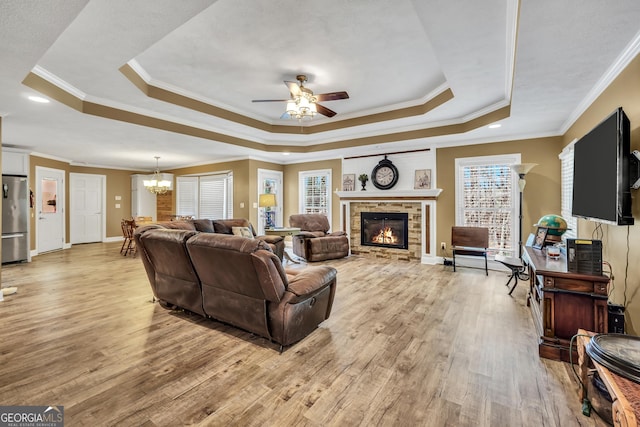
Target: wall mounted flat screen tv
(601,189)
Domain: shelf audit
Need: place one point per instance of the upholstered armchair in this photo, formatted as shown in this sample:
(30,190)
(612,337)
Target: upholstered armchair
(315,243)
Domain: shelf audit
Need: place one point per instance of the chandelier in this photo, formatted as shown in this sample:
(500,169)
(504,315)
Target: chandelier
(157,184)
(302,105)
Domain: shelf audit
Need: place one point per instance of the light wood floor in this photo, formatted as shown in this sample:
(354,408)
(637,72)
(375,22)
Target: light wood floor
(406,345)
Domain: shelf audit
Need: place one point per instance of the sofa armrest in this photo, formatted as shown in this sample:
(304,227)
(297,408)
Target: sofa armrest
(306,235)
(270,239)
(310,280)
(337,233)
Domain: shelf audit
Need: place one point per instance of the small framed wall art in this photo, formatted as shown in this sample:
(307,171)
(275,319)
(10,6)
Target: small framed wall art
(349,182)
(422,180)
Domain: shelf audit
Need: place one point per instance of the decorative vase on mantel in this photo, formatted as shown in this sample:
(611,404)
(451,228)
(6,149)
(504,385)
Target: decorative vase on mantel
(363,180)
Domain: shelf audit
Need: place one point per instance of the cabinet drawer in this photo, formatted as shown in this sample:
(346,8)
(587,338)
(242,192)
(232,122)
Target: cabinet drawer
(576,285)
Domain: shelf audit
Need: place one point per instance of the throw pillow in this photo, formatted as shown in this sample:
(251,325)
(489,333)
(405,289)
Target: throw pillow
(242,231)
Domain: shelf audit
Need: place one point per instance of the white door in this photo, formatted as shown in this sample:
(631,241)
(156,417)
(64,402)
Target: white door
(86,205)
(49,209)
(270,182)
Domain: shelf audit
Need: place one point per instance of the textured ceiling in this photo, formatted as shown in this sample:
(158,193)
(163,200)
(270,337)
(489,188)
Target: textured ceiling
(132,80)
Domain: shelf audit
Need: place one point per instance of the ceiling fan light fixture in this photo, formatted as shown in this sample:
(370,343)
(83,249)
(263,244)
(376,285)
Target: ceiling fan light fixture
(303,103)
(292,108)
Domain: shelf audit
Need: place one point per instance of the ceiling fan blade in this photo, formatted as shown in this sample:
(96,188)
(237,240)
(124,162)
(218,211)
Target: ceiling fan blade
(293,88)
(325,111)
(269,100)
(332,96)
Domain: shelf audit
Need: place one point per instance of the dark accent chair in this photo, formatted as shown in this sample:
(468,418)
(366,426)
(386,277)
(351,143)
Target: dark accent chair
(315,243)
(470,241)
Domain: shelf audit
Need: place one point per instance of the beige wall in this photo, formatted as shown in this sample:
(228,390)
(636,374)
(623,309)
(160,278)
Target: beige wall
(291,205)
(245,183)
(541,194)
(623,92)
(118,183)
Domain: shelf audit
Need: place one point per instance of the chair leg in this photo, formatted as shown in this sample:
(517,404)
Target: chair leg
(486,265)
(454,260)
(514,275)
(124,243)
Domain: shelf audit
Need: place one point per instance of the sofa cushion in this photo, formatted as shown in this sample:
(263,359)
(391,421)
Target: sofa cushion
(178,225)
(204,225)
(242,232)
(225,226)
(227,262)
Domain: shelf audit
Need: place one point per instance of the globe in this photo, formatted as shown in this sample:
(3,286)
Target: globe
(555,223)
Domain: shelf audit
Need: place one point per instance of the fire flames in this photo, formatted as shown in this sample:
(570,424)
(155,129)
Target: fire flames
(385,236)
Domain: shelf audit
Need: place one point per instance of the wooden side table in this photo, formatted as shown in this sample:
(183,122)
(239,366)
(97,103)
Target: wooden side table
(624,392)
(284,232)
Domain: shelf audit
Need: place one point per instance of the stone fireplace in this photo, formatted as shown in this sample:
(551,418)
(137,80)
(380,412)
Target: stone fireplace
(418,206)
(384,229)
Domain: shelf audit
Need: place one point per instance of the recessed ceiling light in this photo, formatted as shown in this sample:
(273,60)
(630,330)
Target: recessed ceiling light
(495,126)
(39,99)
(286,153)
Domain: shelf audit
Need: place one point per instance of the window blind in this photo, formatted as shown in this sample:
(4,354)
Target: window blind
(566,182)
(207,196)
(315,195)
(489,198)
(187,196)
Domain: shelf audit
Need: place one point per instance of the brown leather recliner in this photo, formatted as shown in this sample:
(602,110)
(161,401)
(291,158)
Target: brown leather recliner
(240,281)
(315,243)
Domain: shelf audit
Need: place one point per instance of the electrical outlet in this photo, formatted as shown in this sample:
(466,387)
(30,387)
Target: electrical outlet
(443,246)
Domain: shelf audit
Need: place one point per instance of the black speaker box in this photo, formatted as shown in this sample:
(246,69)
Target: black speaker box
(616,318)
(584,256)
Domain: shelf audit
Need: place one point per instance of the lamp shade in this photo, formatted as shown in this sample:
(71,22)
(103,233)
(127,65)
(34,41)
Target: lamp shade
(267,200)
(523,168)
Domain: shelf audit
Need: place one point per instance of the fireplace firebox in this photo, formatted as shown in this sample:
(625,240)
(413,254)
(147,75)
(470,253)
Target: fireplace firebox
(384,229)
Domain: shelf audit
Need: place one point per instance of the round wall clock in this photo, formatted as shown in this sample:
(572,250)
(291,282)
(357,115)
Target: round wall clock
(385,174)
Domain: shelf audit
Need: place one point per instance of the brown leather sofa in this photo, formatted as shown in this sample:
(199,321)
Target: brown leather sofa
(235,280)
(225,226)
(315,243)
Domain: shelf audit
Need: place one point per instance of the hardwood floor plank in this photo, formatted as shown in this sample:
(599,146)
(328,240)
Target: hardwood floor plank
(406,344)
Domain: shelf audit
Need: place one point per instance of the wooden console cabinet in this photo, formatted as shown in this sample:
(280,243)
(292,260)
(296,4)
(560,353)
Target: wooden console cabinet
(563,302)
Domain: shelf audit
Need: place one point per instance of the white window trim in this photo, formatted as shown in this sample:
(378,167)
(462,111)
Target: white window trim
(301,176)
(510,159)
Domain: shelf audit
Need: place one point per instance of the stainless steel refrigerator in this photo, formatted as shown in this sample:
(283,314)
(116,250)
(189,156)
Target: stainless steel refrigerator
(15,218)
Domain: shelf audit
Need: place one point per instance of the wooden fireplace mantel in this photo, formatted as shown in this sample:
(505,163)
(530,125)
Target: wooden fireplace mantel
(389,194)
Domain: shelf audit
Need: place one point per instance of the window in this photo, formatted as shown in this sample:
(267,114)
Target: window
(566,182)
(315,192)
(207,196)
(487,196)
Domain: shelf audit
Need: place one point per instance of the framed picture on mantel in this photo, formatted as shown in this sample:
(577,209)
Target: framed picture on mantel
(349,182)
(422,180)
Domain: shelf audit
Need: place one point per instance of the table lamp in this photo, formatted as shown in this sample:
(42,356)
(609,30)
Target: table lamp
(267,201)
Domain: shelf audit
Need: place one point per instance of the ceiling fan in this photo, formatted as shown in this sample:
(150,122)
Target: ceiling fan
(303,102)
